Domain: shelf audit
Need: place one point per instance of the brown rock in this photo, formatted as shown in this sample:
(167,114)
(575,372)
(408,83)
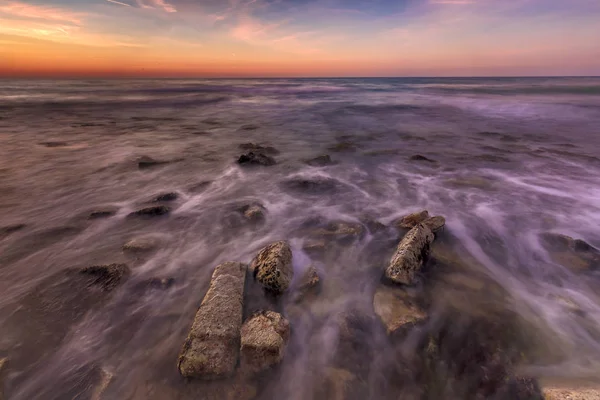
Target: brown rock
(571,253)
(141,245)
(315,247)
(264,338)
(435,223)
(272,267)
(3,364)
(410,255)
(396,309)
(340,231)
(338,384)
(105,380)
(411,220)
(572,393)
(106,276)
(254,212)
(212,347)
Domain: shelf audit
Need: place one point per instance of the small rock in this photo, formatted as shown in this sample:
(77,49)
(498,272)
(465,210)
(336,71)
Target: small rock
(315,247)
(107,276)
(435,223)
(141,245)
(171,196)
(212,347)
(411,220)
(254,212)
(310,279)
(249,127)
(147,162)
(396,309)
(273,267)
(154,211)
(252,158)
(105,379)
(320,161)
(419,157)
(102,214)
(410,255)
(264,338)
(311,186)
(341,231)
(259,148)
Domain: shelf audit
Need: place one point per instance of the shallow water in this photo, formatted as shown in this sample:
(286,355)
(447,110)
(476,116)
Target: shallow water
(512,158)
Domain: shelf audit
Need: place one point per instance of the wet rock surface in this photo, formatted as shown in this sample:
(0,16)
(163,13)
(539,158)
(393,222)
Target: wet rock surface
(272,267)
(311,186)
(574,254)
(410,255)
(264,339)
(270,150)
(320,161)
(141,245)
(99,214)
(397,310)
(211,349)
(145,162)
(256,159)
(149,212)
(571,393)
(253,212)
(166,197)
(411,220)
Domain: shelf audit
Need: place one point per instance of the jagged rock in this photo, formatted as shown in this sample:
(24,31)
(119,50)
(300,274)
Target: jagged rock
(212,347)
(141,245)
(252,159)
(411,220)
(320,161)
(410,255)
(261,149)
(272,267)
(170,196)
(571,393)
(419,157)
(147,162)
(264,338)
(107,276)
(396,309)
(571,253)
(254,212)
(154,211)
(435,223)
(102,214)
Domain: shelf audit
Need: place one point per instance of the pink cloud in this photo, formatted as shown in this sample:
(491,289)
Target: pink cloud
(160,4)
(24,10)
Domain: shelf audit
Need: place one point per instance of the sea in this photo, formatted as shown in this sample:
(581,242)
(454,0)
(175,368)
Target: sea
(507,162)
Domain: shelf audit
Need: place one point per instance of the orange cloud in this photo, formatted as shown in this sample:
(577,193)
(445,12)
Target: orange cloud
(29,11)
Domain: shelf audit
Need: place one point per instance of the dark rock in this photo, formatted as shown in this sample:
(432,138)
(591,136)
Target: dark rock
(411,220)
(259,148)
(419,157)
(102,214)
(249,127)
(410,255)
(272,267)
(264,337)
(320,161)
(171,196)
(212,347)
(311,186)
(396,309)
(9,229)
(54,144)
(106,276)
(252,158)
(343,147)
(154,211)
(147,162)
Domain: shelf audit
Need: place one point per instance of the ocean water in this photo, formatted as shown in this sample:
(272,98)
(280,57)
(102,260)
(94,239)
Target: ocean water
(512,159)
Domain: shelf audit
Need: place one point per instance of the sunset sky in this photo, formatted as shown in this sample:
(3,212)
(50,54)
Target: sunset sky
(183,38)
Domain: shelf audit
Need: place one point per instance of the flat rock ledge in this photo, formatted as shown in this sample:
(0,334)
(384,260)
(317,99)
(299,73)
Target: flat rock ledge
(212,347)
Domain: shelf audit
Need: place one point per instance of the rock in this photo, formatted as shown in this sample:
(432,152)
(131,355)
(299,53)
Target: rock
(249,127)
(273,267)
(411,220)
(315,247)
(340,231)
(261,149)
(3,365)
(141,245)
(105,380)
(343,147)
(571,253)
(253,159)
(212,347)
(435,223)
(264,338)
(147,162)
(320,161)
(254,212)
(410,255)
(312,185)
(572,393)
(9,229)
(396,309)
(170,196)
(102,214)
(419,157)
(373,225)
(337,384)
(106,276)
(309,280)
(153,211)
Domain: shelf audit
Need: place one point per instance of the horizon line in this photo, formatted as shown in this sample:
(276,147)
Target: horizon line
(114,77)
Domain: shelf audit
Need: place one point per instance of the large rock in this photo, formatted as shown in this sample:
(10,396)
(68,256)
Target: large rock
(396,309)
(255,159)
(571,253)
(272,267)
(264,339)
(410,255)
(411,220)
(212,347)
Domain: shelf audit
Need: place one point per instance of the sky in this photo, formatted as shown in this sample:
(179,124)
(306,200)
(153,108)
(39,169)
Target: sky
(307,38)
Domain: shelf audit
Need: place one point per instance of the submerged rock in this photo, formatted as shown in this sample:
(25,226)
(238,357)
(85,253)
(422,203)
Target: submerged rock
(212,347)
(254,212)
(419,157)
(311,185)
(575,254)
(141,245)
(435,223)
(272,267)
(337,384)
(341,231)
(9,229)
(252,158)
(320,161)
(411,220)
(315,247)
(259,148)
(343,147)
(309,280)
(249,127)
(410,255)
(154,211)
(264,339)
(396,309)
(102,214)
(107,276)
(147,162)
(170,196)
